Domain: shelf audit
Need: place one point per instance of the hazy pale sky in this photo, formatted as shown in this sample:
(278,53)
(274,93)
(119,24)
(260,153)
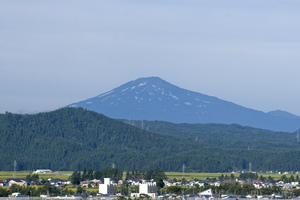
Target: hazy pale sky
(54,53)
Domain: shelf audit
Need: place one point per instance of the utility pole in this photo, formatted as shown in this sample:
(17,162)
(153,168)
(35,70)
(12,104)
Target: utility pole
(15,168)
(250,167)
(183,167)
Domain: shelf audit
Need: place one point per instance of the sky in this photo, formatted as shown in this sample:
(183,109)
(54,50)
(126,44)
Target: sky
(54,53)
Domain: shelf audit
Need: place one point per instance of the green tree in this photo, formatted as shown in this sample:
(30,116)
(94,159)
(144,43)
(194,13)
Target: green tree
(292,178)
(3,192)
(127,177)
(75,178)
(232,177)
(84,175)
(90,174)
(284,178)
(174,189)
(221,177)
(33,178)
(296,192)
(80,190)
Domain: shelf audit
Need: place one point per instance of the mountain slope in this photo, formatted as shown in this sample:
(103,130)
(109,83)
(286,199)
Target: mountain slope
(232,136)
(155,99)
(71,139)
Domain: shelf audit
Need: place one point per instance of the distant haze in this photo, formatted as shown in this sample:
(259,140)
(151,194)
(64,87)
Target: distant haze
(53,53)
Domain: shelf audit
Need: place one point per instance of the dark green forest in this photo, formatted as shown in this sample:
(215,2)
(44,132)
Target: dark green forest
(74,138)
(222,135)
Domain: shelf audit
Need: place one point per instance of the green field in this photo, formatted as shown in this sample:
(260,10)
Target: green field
(191,176)
(22,174)
(171,175)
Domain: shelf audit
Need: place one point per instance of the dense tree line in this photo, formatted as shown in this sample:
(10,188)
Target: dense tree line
(113,173)
(71,139)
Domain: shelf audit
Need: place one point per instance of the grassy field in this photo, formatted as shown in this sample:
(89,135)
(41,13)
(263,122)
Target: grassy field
(190,176)
(202,176)
(171,175)
(22,174)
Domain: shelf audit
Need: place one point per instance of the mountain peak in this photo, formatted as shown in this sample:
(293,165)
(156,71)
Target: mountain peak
(149,81)
(152,98)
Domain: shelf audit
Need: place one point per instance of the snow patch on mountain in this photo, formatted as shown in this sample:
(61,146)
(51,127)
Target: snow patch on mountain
(104,94)
(173,96)
(125,89)
(105,98)
(141,84)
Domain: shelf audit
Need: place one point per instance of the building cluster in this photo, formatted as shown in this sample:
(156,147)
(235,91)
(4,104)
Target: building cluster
(108,187)
(146,189)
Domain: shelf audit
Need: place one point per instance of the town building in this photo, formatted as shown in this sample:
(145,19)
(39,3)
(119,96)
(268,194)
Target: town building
(16,181)
(108,187)
(146,189)
(42,171)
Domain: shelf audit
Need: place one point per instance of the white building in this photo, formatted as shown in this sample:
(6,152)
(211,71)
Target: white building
(149,189)
(108,187)
(42,171)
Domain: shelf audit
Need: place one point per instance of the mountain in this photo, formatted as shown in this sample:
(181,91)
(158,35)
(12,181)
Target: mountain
(231,136)
(71,139)
(74,138)
(155,99)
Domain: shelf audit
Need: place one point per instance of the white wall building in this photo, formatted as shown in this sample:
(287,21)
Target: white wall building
(108,187)
(42,171)
(148,189)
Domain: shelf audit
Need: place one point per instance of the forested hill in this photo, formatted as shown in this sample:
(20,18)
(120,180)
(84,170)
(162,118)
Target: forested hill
(222,135)
(74,138)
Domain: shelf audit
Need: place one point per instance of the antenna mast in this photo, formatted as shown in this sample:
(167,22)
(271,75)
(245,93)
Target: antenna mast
(15,168)
(183,168)
(250,167)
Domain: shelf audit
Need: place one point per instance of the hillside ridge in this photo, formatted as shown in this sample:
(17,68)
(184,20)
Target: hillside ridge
(74,138)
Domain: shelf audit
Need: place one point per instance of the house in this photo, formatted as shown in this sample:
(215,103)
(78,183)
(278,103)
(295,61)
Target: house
(55,181)
(84,184)
(120,182)
(95,182)
(206,194)
(16,181)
